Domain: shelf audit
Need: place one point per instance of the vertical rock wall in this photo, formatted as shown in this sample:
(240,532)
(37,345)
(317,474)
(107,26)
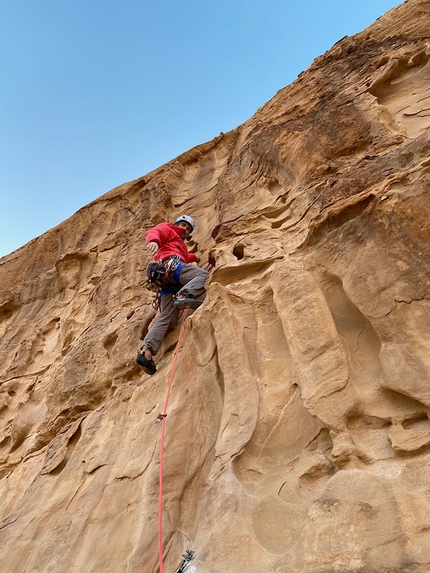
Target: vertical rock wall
(298,431)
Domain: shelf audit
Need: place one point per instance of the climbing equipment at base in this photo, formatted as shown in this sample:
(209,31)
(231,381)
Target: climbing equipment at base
(162,418)
(187,557)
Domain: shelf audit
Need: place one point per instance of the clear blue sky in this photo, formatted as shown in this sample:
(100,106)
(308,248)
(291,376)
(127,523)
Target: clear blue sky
(95,93)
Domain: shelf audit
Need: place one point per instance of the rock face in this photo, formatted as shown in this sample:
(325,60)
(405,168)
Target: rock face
(298,431)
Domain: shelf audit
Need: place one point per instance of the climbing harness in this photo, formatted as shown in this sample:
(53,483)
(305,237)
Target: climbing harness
(163,278)
(162,418)
(159,275)
(189,555)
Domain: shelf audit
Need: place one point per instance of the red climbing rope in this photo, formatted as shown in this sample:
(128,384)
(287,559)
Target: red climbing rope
(162,417)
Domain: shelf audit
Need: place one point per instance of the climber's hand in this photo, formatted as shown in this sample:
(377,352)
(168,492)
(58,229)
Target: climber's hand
(152,247)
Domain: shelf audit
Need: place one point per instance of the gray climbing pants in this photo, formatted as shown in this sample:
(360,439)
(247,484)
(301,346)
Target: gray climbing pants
(193,280)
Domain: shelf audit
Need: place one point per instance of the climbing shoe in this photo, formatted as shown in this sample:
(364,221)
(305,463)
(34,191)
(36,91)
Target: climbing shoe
(147,365)
(188,302)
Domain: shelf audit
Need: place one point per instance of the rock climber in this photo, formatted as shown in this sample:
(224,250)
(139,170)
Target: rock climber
(182,284)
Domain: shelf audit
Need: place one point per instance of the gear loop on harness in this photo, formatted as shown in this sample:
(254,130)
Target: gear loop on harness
(163,277)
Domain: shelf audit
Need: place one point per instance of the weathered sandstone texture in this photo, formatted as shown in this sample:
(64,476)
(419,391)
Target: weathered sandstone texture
(298,430)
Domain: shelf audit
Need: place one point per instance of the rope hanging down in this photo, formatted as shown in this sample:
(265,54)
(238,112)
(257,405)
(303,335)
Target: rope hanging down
(162,418)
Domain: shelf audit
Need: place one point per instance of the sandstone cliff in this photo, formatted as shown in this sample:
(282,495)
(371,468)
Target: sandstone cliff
(298,431)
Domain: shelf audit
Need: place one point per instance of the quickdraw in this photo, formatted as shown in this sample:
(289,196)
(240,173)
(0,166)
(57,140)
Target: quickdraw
(156,301)
(172,263)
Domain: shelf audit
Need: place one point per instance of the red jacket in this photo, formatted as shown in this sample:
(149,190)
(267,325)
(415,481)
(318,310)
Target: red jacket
(169,240)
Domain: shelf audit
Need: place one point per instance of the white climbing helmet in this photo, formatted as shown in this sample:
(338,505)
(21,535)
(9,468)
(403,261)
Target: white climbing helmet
(187,219)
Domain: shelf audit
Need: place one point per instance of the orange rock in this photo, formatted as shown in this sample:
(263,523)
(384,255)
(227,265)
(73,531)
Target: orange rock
(297,432)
